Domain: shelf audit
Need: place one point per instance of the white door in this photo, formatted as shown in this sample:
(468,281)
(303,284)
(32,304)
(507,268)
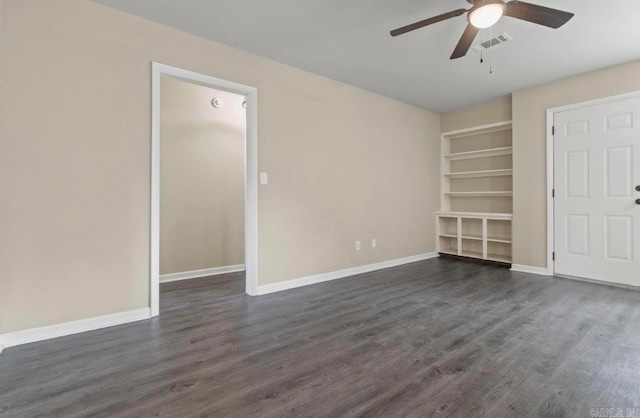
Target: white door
(597,183)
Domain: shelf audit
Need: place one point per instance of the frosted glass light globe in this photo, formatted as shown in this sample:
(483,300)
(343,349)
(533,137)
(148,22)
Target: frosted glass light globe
(487,15)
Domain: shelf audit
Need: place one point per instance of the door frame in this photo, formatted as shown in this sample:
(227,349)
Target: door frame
(251,174)
(551,233)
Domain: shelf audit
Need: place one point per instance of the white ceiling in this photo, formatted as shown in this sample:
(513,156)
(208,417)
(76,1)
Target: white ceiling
(349,41)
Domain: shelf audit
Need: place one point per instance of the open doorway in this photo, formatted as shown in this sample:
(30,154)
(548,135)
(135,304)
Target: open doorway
(204,179)
(202,141)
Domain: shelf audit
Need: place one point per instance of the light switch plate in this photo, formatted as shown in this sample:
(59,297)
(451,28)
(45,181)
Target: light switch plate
(264,178)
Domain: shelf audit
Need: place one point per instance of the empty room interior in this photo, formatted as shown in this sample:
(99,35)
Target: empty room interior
(404,208)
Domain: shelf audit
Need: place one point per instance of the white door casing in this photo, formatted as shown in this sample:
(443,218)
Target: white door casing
(251,175)
(596,172)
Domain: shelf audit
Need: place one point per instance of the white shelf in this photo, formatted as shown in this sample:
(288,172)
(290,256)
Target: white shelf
(499,240)
(472,237)
(476,174)
(467,132)
(449,251)
(479,194)
(471,254)
(499,258)
(476,254)
(477,215)
(490,152)
(478,238)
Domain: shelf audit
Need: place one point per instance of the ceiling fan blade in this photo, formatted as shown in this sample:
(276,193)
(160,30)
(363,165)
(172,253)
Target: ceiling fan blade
(465,42)
(537,14)
(427,22)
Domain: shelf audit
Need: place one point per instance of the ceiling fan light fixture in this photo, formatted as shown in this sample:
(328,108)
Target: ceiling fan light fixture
(486,14)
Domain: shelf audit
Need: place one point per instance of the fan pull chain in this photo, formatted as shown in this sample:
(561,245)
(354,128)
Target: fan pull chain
(481,48)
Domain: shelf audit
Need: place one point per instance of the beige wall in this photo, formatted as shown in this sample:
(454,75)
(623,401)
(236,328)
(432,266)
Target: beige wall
(481,114)
(343,163)
(201,178)
(4,285)
(529,147)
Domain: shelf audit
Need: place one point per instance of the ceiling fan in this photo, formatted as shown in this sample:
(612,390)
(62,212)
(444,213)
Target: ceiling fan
(485,13)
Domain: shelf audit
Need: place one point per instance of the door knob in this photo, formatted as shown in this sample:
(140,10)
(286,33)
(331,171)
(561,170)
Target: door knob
(638,188)
(637,201)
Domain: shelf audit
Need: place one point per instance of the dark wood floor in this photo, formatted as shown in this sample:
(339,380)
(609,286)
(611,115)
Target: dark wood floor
(435,338)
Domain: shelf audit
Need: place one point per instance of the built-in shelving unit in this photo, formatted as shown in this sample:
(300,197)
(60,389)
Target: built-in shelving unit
(476,193)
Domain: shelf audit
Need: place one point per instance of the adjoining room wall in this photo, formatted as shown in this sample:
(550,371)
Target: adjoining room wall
(529,149)
(344,164)
(201,178)
(481,114)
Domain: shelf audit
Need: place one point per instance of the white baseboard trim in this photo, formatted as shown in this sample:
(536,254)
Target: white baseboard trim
(530,269)
(194,274)
(340,274)
(32,335)
(600,282)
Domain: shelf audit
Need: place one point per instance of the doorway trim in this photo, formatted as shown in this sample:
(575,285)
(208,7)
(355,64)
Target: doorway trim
(551,233)
(251,174)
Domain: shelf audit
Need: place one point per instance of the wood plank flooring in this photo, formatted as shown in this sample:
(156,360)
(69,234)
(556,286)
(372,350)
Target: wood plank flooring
(436,338)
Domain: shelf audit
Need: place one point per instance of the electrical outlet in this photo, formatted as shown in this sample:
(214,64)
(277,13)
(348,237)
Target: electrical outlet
(373,243)
(357,245)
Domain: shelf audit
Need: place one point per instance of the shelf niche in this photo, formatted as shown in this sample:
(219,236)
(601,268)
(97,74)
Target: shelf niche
(476,193)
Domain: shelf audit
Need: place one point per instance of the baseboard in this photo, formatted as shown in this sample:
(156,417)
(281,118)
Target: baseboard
(194,274)
(600,282)
(530,269)
(32,335)
(340,274)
